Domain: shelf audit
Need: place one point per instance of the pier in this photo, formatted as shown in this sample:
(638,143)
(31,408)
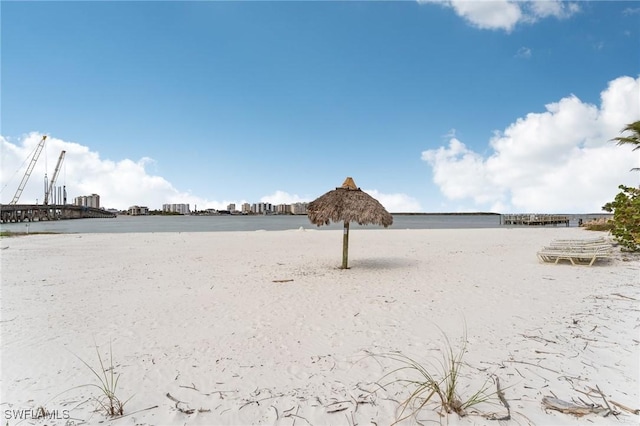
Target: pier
(39,212)
(534,219)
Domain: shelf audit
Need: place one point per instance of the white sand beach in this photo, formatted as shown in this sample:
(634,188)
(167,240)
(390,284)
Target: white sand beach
(245,328)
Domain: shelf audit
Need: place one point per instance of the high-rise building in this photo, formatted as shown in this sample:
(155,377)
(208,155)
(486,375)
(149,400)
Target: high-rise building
(299,208)
(92,200)
(176,208)
(262,208)
(283,208)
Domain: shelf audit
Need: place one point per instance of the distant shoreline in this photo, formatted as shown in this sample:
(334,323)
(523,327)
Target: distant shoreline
(495,214)
(446,214)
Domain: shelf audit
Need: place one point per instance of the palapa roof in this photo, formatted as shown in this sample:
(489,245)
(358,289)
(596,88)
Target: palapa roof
(348,203)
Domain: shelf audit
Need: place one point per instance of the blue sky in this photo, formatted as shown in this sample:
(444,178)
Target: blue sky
(430,106)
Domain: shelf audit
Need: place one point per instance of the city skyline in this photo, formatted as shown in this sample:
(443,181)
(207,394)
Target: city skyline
(431,106)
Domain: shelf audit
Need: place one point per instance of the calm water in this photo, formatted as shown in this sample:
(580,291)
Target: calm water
(248,223)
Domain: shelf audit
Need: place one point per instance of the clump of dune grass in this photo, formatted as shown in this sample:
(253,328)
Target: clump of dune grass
(602,224)
(108,385)
(434,383)
(20,234)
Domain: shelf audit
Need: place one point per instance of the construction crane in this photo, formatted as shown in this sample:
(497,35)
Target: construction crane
(25,178)
(47,192)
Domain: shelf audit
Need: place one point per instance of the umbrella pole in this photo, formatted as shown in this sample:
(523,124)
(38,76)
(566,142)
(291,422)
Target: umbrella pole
(345,245)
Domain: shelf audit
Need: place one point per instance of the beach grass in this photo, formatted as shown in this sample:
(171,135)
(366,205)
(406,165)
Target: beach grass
(108,385)
(603,224)
(8,234)
(436,382)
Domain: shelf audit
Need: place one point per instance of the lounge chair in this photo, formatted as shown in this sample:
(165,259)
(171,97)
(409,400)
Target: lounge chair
(579,243)
(578,252)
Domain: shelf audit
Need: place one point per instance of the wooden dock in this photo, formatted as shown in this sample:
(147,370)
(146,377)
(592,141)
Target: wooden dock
(534,219)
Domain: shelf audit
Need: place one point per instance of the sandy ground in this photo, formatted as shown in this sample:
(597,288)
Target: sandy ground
(240,328)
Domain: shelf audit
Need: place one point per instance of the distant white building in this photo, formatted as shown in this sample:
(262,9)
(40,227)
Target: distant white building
(231,207)
(262,208)
(299,208)
(138,211)
(283,208)
(92,200)
(176,208)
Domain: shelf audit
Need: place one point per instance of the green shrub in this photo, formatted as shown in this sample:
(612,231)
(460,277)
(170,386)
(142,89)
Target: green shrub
(626,217)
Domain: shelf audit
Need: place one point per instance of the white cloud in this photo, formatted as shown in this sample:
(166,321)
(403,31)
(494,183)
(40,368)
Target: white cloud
(120,184)
(551,8)
(460,173)
(523,52)
(489,14)
(498,14)
(282,197)
(395,203)
(506,14)
(561,160)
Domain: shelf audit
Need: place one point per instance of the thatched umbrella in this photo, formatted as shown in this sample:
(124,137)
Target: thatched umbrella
(348,204)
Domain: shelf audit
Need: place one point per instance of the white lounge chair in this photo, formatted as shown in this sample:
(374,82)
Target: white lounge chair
(576,251)
(579,243)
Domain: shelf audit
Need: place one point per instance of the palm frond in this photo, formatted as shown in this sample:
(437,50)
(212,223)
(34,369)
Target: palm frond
(633,138)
